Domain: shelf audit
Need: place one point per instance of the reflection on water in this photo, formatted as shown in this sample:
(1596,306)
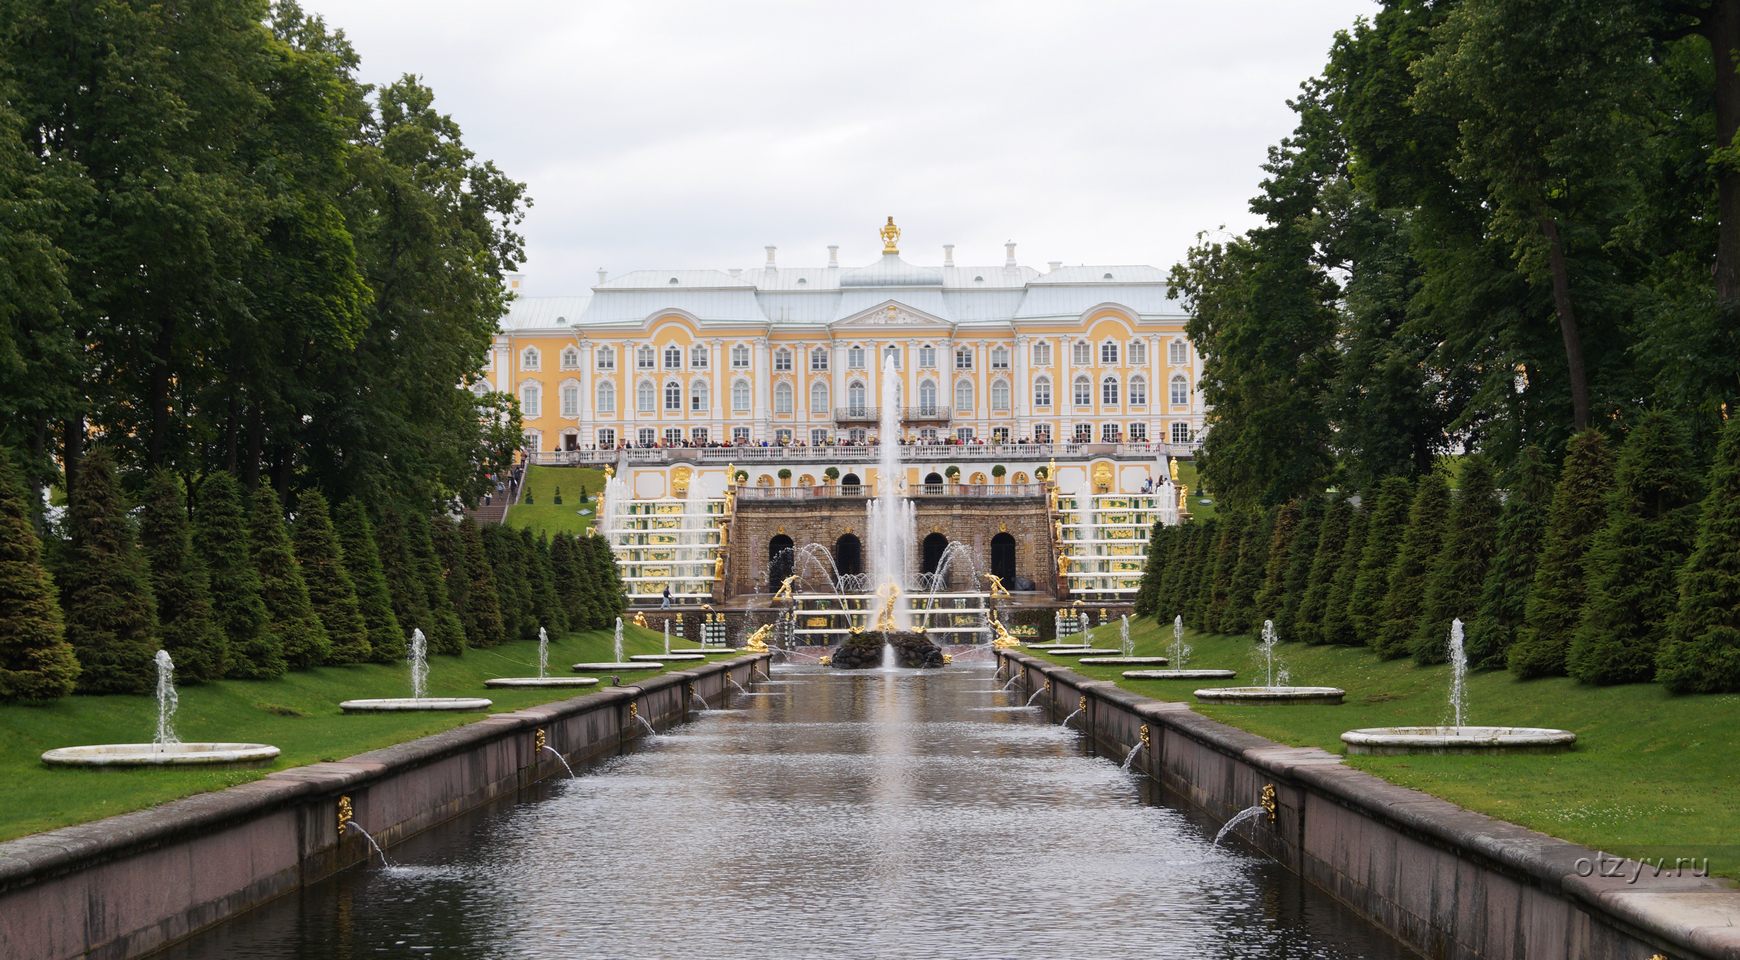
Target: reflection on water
(864,815)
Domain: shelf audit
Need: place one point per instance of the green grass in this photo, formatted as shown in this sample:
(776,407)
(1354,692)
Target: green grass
(1187,476)
(543,514)
(298,714)
(1652,774)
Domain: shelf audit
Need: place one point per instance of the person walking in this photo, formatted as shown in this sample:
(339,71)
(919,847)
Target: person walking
(665,603)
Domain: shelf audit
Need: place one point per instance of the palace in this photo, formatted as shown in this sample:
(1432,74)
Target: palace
(1000,353)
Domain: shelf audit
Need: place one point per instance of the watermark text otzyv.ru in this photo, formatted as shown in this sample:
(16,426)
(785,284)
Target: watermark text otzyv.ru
(1607,866)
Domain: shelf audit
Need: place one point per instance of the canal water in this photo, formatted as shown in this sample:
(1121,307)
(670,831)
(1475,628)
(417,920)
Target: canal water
(827,814)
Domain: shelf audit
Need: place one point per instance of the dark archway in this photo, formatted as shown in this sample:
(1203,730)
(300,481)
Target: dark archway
(849,554)
(1003,559)
(933,478)
(934,545)
(850,480)
(779,561)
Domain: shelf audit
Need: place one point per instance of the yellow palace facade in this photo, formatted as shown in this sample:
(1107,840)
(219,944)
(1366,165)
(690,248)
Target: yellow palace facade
(790,356)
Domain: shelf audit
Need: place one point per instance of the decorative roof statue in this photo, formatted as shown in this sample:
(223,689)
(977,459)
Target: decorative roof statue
(890,234)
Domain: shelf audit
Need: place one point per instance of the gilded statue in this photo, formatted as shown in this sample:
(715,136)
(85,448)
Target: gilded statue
(890,233)
(1056,531)
(784,591)
(640,618)
(1062,564)
(757,642)
(609,471)
(1103,476)
(997,589)
(680,481)
(719,566)
(889,593)
(1173,462)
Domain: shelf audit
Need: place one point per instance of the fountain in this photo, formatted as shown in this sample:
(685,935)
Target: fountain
(543,679)
(1454,736)
(166,749)
(619,664)
(659,658)
(418,657)
(1272,692)
(1180,653)
(1128,649)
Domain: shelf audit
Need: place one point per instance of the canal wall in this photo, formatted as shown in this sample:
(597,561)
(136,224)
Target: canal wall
(1448,882)
(128,885)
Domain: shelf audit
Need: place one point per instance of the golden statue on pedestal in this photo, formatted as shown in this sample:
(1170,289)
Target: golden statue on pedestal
(609,471)
(784,591)
(885,621)
(890,233)
(640,618)
(1173,462)
(718,566)
(757,642)
(1063,566)
(996,585)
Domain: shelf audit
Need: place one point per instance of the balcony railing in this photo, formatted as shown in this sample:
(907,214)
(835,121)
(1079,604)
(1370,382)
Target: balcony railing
(924,413)
(858,491)
(857,414)
(911,453)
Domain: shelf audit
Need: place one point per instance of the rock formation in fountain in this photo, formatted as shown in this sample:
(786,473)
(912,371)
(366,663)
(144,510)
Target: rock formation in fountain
(864,651)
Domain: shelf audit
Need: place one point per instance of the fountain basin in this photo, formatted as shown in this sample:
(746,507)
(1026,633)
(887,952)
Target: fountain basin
(412,704)
(224,756)
(1157,661)
(1083,651)
(1393,741)
(657,657)
(1053,646)
(1328,696)
(1180,674)
(530,683)
(607,667)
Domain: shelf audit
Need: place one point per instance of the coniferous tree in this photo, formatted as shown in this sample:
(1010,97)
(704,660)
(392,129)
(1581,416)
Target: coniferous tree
(180,584)
(1271,593)
(1301,553)
(1385,527)
(36,661)
(238,608)
(1241,614)
(1634,560)
(1226,565)
(565,576)
(1180,588)
(1337,621)
(1558,593)
(1702,652)
(1153,569)
(405,583)
(500,546)
(1453,589)
(480,610)
(105,589)
(292,617)
(1522,524)
(551,613)
(524,549)
(1195,599)
(615,593)
(1180,541)
(1325,563)
(331,590)
(438,560)
(591,591)
(1399,616)
(362,560)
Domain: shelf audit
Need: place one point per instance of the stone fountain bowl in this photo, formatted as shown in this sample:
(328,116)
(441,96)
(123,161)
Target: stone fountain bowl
(223,756)
(1053,646)
(618,667)
(414,704)
(1393,741)
(1328,696)
(1180,674)
(1084,651)
(656,657)
(1128,661)
(533,683)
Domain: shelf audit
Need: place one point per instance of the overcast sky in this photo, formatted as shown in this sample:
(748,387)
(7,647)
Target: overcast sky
(658,135)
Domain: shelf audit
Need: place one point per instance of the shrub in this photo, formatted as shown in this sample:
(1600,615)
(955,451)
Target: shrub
(832,473)
(785,473)
(105,589)
(1702,653)
(362,560)
(1453,587)
(36,661)
(330,588)
(180,584)
(1558,593)
(1041,473)
(481,609)
(237,607)
(998,471)
(1399,615)
(1504,595)
(1325,563)
(953,473)
(291,614)
(1300,555)
(742,476)
(1240,613)
(1337,625)
(1385,527)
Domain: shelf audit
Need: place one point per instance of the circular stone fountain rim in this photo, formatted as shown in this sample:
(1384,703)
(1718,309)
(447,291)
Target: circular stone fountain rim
(160,755)
(603,667)
(1180,674)
(414,705)
(656,657)
(534,682)
(1471,738)
(1271,694)
(1115,660)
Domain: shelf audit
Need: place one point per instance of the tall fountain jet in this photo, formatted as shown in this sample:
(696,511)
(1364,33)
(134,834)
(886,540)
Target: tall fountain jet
(890,519)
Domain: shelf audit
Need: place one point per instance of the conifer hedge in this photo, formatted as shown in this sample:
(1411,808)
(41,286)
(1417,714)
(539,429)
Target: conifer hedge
(1557,594)
(36,661)
(362,560)
(238,607)
(1702,652)
(105,587)
(331,591)
(1399,614)
(180,584)
(291,616)
(1504,596)
(1307,622)
(1453,587)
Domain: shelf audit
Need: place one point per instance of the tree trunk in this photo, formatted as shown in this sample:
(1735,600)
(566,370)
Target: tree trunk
(1567,324)
(160,394)
(256,439)
(1720,25)
(73,437)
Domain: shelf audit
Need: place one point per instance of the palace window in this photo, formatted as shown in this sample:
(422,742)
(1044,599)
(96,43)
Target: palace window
(570,399)
(645,397)
(927,357)
(698,394)
(1138,391)
(855,397)
(819,397)
(964,396)
(964,358)
(782,398)
(606,397)
(1000,435)
(1180,432)
(1042,392)
(1138,433)
(855,357)
(857,435)
(819,359)
(606,438)
(698,434)
(607,358)
(782,359)
(892,353)
(1041,354)
(927,397)
(673,435)
(530,398)
(1138,353)
(673,357)
(674,396)
(963,433)
(534,439)
(529,359)
(739,434)
(1177,354)
(1000,396)
(1081,353)
(1109,353)
(1180,391)
(1109,433)
(571,359)
(698,357)
(1109,391)
(740,395)
(1084,433)
(1084,392)
(1042,433)
(645,358)
(740,357)
(818,436)
(1000,358)
(927,433)
(782,437)
(647,436)
(480,388)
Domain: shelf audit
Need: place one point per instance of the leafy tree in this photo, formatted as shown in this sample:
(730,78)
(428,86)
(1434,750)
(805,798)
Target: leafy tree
(180,584)
(1454,585)
(105,588)
(1384,532)
(1634,560)
(479,610)
(330,587)
(1702,652)
(36,661)
(1241,613)
(292,618)
(1522,525)
(1332,536)
(1399,616)
(1557,596)
(1301,554)
(238,608)
(362,560)
(1338,625)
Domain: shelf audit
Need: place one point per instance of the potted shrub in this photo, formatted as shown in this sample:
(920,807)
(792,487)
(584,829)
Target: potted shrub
(742,476)
(953,474)
(997,473)
(1041,473)
(830,475)
(785,476)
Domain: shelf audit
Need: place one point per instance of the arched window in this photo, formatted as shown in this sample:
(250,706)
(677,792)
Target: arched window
(963,358)
(1000,396)
(607,358)
(927,397)
(782,359)
(855,397)
(1109,391)
(529,359)
(855,357)
(699,391)
(1180,391)
(740,395)
(927,357)
(849,554)
(892,353)
(1109,353)
(606,397)
(1138,353)
(819,359)
(698,357)
(1084,392)
(1041,354)
(673,396)
(1138,391)
(1042,392)
(1081,353)
(819,396)
(964,396)
(1176,354)
(740,357)
(645,397)
(644,358)
(673,357)
(782,398)
(480,388)
(530,399)
(570,399)
(571,358)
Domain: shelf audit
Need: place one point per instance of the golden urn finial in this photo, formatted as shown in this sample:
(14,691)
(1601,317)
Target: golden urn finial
(890,234)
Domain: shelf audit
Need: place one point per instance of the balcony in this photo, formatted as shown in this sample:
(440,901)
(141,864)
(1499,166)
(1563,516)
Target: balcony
(857,414)
(924,414)
(910,453)
(862,491)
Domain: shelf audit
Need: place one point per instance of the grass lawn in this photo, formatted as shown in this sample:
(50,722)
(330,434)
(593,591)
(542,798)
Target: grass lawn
(1652,774)
(543,514)
(298,714)
(1187,476)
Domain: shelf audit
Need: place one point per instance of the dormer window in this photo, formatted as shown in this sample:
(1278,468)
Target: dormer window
(673,357)
(673,280)
(802,280)
(1109,353)
(978,279)
(571,359)
(529,359)
(645,358)
(1106,277)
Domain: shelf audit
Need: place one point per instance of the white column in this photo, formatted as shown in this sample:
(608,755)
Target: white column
(588,434)
(761,374)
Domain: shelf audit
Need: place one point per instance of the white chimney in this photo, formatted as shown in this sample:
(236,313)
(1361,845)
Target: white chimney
(833,255)
(602,276)
(770,265)
(1055,265)
(948,254)
(1009,250)
(736,273)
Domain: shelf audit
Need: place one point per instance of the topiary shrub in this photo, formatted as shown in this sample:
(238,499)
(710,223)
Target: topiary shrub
(998,471)
(742,476)
(831,474)
(1399,615)
(1557,596)
(1453,588)
(953,473)
(1702,653)
(36,661)
(1041,473)
(785,473)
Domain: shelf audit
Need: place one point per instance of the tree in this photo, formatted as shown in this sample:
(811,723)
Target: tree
(1522,524)
(238,608)
(480,610)
(331,590)
(1241,613)
(550,612)
(1332,536)
(180,584)
(1399,615)
(1635,559)
(1217,587)
(105,588)
(36,661)
(439,553)
(1160,545)
(362,560)
(1702,652)
(1301,554)
(613,598)
(292,618)
(1197,574)
(1338,625)
(1384,531)
(566,577)
(500,546)
(1272,593)
(1558,593)
(1453,587)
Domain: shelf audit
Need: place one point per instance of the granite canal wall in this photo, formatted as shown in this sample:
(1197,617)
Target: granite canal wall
(131,884)
(1450,883)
